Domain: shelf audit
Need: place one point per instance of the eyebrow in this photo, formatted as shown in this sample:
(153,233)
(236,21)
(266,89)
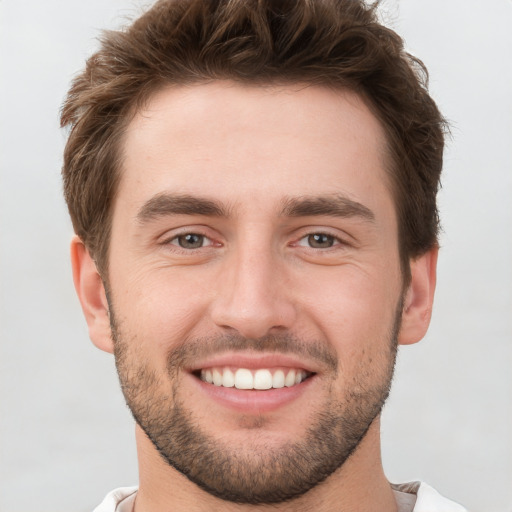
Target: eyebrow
(163,205)
(167,204)
(332,206)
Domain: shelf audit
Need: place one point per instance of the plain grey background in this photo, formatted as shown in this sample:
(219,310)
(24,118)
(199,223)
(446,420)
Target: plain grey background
(66,437)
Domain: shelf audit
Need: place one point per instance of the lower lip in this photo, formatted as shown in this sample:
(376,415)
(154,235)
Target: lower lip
(254,401)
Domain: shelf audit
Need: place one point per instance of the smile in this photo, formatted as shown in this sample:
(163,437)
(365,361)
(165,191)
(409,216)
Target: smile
(260,379)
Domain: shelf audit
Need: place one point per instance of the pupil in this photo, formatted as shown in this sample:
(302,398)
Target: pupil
(191,241)
(320,240)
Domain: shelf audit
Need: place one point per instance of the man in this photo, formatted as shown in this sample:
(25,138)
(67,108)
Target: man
(253,188)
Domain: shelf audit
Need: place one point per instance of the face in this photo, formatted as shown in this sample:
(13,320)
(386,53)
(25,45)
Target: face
(255,288)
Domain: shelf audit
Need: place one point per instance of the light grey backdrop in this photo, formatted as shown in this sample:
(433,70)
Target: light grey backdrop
(66,437)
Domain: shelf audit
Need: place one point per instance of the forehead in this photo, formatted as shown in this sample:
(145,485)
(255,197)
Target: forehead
(251,143)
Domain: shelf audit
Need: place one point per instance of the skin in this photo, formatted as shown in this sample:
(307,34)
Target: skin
(252,150)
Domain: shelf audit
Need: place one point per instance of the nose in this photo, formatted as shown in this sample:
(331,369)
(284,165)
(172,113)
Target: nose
(253,296)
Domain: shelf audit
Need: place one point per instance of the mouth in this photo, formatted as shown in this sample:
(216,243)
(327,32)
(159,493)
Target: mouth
(253,378)
(254,383)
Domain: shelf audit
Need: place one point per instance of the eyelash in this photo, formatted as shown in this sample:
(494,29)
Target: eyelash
(175,240)
(335,241)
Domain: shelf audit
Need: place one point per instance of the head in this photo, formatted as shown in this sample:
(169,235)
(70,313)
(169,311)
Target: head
(337,44)
(253,187)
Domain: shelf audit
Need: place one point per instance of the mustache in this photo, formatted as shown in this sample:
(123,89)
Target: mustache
(190,350)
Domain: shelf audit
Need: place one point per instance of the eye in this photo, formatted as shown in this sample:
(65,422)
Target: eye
(318,241)
(191,241)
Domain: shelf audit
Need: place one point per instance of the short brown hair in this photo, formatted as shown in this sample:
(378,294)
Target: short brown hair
(335,43)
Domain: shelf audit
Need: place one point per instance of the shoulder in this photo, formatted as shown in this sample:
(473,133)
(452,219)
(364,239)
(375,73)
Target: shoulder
(428,499)
(115,497)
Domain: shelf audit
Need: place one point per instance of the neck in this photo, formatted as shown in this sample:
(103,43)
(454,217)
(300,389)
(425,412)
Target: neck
(358,486)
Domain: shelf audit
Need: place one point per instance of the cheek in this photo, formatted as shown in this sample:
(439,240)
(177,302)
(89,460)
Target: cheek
(161,309)
(354,310)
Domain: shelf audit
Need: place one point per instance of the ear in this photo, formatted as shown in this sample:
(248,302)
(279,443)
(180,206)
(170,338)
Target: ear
(91,293)
(419,298)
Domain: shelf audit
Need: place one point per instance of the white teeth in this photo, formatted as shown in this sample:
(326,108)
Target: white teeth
(262,378)
(244,379)
(290,379)
(217,377)
(278,379)
(228,379)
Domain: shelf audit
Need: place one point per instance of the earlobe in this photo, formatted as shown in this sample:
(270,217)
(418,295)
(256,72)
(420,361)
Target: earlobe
(91,293)
(419,298)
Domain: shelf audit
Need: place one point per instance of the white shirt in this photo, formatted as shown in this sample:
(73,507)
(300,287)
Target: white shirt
(410,497)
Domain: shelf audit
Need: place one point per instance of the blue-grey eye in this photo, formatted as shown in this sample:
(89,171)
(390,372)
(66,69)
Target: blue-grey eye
(190,241)
(320,241)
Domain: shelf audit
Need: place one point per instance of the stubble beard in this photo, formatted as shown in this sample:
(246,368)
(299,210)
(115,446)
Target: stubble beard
(252,474)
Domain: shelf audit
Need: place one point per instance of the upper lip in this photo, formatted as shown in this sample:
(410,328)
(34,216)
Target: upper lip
(254,361)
